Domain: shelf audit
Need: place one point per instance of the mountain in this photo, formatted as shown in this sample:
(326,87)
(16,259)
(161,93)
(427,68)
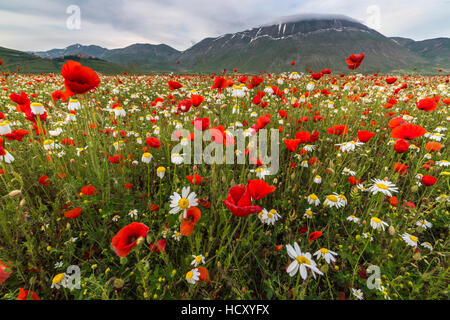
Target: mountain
(147,57)
(14,59)
(314,42)
(92,50)
(437,50)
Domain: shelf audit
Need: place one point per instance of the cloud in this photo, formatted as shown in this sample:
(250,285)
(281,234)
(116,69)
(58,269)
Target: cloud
(41,25)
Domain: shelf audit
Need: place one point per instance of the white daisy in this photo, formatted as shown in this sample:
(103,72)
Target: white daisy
(326,254)
(301,262)
(183,202)
(383,186)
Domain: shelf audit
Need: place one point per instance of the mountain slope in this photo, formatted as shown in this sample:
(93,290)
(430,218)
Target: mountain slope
(437,50)
(312,43)
(14,59)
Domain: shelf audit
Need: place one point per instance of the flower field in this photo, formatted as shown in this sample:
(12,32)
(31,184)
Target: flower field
(356,208)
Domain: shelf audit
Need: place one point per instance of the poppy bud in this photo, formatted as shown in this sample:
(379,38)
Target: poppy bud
(391,230)
(118,283)
(13,193)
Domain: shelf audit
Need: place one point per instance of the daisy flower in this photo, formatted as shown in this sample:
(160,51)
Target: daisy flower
(313,199)
(177,236)
(326,254)
(424,224)
(193,276)
(383,186)
(198,260)
(352,218)
(183,202)
(269,217)
(377,223)
(427,245)
(335,200)
(302,262)
(358,293)
(317,179)
(308,213)
(410,239)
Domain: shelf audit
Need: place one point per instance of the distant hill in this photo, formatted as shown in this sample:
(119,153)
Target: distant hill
(314,42)
(14,59)
(436,51)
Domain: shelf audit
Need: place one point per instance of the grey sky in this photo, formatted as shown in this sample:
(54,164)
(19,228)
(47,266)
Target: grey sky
(41,24)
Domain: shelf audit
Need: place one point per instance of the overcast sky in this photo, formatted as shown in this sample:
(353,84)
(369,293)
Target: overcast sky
(35,25)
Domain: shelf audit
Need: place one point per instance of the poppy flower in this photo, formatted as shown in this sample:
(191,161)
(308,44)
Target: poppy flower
(239,201)
(259,189)
(354,60)
(114,159)
(153,142)
(291,144)
(201,123)
(400,167)
(44,180)
(365,136)
(128,185)
(5,272)
(433,146)
(292,63)
(174,85)
(408,131)
(401,146)
(79,79)
(338,129)
(393,201)
(391,80)
(428,180)
(193,214)
(326,71)
(317,76)
(314,235)
(395,122)
(89,190)
(204,274)
(17,134)
(426,104)
(127,237)
(184,105)
(72,214)
(158,247)
(196,100)
(24,294)
(195,179)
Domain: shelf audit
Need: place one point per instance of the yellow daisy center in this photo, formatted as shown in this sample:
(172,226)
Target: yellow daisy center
(313,196)
(382,186)
(376,220)
(413,238)
(332,198)
(58,278)
(189,275)
(302,260)
(183,203)
(323,250)
(198,258)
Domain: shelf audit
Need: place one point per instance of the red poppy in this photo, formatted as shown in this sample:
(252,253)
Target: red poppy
(128,185)
(5,272)
(293,63)
(314,235)
(17,135)
(427,104)
(195,179)
(433,146)
(174,85)
(89,190)
(395,122)
(79,79)
(326,71)
(365,136)
(44,180)
(338,129)
(114,159)
(317,76)
(184,105)
(393,201)
(428,180)
(400,167)
(24,294)
(291,144)
(391,80)
(153,142)
(407,131)
(158,247)
(401,146)
(72,214)
(354,60)
(193,214)
(196,100)
(204,274)
(259,189)
(239,201)
(201,123)
(127,237)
